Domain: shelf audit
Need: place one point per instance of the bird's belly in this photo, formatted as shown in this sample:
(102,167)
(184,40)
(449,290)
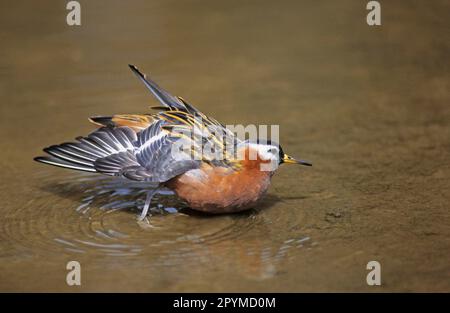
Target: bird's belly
(220,190)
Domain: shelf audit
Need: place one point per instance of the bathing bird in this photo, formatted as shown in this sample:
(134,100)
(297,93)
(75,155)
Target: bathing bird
(178,148)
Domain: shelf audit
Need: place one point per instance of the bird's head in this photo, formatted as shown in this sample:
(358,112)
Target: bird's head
(270,152)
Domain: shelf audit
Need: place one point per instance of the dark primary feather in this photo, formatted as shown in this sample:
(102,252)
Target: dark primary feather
(163,96)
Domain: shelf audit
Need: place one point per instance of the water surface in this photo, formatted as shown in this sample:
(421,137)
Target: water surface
(368,106)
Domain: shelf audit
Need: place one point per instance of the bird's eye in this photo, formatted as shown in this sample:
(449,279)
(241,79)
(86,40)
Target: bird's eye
(271,150)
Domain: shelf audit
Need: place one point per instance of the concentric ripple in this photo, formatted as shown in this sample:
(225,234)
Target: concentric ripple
(86,214)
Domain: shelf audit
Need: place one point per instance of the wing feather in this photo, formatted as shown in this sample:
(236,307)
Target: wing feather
(163,96)
(139,147)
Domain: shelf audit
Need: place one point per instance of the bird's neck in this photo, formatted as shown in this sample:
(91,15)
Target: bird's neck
(250,160)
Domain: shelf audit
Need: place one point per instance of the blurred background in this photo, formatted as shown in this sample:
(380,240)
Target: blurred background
(368,105)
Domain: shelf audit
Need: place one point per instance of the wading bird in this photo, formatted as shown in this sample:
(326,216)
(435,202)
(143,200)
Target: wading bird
(141,148)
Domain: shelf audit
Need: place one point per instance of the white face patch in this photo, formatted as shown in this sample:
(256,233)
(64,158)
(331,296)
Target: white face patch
(266,152)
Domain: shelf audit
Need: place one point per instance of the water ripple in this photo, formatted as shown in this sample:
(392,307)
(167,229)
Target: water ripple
(95,215)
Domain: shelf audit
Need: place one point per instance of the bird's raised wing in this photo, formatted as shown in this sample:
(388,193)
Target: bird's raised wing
(208,135)
(140,147)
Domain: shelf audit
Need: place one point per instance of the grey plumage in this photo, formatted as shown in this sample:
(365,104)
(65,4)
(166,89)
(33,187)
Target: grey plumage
(119,151)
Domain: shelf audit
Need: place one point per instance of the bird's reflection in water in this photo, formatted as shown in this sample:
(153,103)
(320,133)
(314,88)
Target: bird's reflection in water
(173,236)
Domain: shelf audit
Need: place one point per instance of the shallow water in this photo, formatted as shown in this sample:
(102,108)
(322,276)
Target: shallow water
(368,106)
